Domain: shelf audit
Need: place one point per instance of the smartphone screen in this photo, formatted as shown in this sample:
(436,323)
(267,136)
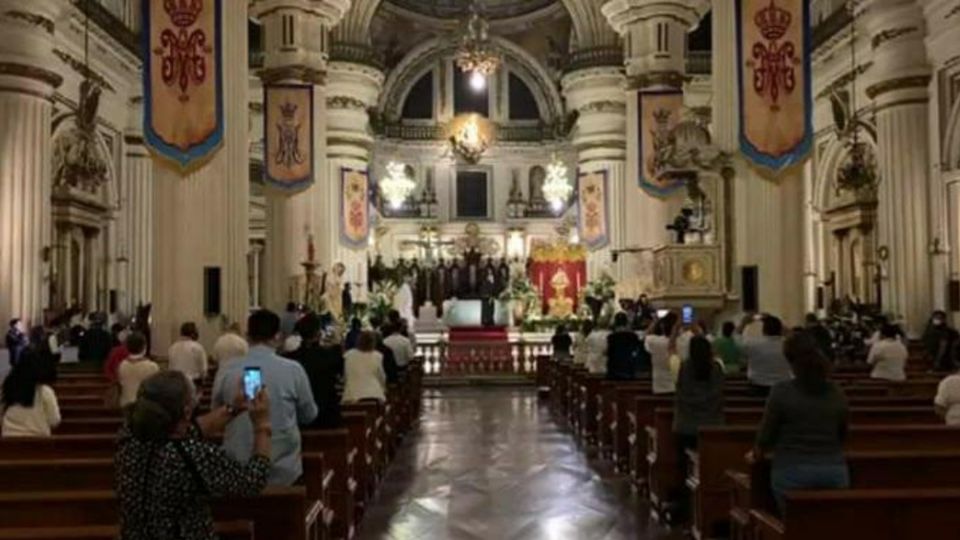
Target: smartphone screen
(252,380)
(661,313)
(687,314)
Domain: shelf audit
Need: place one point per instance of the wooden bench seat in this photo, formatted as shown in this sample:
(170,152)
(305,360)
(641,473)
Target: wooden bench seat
(226,530)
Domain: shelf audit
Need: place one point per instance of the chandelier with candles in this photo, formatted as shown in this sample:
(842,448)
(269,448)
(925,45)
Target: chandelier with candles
(477,55)
(397,186)
(557,188)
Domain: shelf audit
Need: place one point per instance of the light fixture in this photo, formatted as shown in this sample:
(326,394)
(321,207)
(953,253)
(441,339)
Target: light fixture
(397,186)
(476,54)
(469,139)
(478,81)
(859,172)
(557,188)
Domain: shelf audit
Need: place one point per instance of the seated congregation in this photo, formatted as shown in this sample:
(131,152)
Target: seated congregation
(765,432)
(129,445)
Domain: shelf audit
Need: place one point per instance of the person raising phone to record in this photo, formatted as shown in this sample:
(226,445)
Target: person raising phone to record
(288,388)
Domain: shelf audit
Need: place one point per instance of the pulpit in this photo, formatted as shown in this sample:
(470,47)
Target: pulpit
(689,274)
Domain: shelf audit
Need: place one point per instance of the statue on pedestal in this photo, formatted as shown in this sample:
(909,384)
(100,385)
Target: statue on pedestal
(560,304)
(333,290)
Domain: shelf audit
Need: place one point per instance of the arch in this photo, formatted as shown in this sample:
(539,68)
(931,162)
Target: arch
(426,55)
(589,24)
(355,25)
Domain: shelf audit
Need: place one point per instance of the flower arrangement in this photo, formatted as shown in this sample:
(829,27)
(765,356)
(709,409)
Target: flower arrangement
(380,301)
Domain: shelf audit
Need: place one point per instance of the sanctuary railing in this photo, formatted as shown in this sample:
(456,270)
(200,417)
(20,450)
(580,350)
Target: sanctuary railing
(442,358)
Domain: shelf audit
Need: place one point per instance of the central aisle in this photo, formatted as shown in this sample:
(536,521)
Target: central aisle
(490,464)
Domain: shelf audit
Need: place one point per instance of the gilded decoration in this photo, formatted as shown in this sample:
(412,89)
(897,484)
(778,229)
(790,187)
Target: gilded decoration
(694,272)
(558,252)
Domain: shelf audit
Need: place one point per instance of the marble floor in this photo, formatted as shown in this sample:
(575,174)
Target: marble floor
(490,464)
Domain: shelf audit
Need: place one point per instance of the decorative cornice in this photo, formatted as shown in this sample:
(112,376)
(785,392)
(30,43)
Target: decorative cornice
(133,140)
(293,73)
(890,34)
(844,80)
(671,79)
(346,102)
(889,85)
(31,72)
(604,106)
(83,69)
(901,103)
(32,18)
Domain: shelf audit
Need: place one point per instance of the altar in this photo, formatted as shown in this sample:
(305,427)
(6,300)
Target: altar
(469,313)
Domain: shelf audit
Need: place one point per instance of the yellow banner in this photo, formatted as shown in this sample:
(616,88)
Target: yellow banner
(592,199)
(288,135)
(183,94)
(355,207)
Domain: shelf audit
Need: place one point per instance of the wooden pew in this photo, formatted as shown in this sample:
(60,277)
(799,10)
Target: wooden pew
(276,513)
(226,530)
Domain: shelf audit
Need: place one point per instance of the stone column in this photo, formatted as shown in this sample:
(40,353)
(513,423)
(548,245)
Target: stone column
(352,88)
(654,39)
(136,214)
(296,48)
(897,83)
(600,138)
(26,91)
(202,219)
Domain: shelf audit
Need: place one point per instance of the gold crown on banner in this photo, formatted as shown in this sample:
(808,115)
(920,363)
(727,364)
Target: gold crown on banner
(773,21)
(183,13)
(288,110)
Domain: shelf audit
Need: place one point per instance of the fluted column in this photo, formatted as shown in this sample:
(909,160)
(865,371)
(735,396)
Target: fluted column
(136,215)
(26,90)
(352,88)
(897,83)
(296,51)
(654,39)
(600,138)
(202,219)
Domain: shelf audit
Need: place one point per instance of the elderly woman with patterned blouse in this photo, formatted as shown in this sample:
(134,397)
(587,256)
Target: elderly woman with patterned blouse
(166,471)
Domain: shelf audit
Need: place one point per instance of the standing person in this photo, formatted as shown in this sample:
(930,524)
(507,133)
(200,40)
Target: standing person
(947,400)
(400,345)
(135,369)
(623,351)
(230,346)
(350,340)
(16,340)
(29,404)
(888,356)
(364,377)
(289,319)
(698,402)
(805,424)
(323,365)
(291,399)
(167,472)
(658,344)
(96,343)
(938,341)
(728,350)
(766,363)
(820,334)
(187,355)
(117,355)
(581,352)
(596,345)
(562,343)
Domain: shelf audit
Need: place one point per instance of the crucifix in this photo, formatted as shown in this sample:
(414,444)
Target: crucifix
(428,245)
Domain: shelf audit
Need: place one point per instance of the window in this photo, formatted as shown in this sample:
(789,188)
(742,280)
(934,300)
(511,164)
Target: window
(472,194)
(523,106)
(467,99)
(419,102)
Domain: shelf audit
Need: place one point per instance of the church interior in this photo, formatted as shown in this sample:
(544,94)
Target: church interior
(497,181)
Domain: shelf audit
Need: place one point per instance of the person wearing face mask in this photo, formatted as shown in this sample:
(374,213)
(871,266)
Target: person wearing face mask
(938,340)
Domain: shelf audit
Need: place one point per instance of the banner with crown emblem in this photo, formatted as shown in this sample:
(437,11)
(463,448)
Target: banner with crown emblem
(774,82)
(182,80)
(592,223)
(354,207)
(658,113)
(288,135)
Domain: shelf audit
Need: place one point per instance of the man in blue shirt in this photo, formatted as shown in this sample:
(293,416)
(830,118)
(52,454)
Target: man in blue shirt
(291,400)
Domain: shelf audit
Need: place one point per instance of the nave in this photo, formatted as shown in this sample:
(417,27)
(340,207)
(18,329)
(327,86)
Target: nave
(490,463)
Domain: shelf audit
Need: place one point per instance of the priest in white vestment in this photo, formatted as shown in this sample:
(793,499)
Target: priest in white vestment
(403,302)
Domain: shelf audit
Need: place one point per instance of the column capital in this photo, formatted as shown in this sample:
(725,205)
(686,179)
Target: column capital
(597,94)
(654,32)
(329,12)
(624,14)
(900,69)
(27,46)
(352,89)
(297,37)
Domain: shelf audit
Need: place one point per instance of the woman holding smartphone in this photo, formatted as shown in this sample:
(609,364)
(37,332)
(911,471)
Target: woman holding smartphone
(167,471)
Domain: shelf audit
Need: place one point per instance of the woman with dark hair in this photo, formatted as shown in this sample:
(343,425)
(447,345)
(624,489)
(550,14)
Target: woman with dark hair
(660,343)
(323,364)
(805,424)
(698,402)
(167,472)
(562,343)
(29,404)
(364,377)
(350,340)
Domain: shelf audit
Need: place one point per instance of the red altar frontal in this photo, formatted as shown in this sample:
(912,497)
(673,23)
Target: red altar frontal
(558,271)
(478,350)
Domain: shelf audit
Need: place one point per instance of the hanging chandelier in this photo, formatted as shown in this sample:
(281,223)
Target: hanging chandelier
(557,188)
(477,54)
(397,186)
(859,172)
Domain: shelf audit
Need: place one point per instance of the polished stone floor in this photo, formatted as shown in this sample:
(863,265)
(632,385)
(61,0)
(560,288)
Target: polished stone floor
(490,464)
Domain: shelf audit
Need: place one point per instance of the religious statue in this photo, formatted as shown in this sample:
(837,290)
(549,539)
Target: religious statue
(560,304)
(681,225)
(77,160)
(333,290)
(487,286)
(403,302)
(456,281)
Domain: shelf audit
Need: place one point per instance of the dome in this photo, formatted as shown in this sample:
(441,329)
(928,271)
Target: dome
(454,9)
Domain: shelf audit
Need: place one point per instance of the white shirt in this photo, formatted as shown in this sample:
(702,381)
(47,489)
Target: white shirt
(948,397)
(661,375)
(363,376)
(188,357)
(402,348)
(888,358)
(580,350)
(228,347)
(36,421)
(596,345)
(132,372)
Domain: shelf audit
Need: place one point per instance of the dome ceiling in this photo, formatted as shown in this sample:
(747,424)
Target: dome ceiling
(493,9)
